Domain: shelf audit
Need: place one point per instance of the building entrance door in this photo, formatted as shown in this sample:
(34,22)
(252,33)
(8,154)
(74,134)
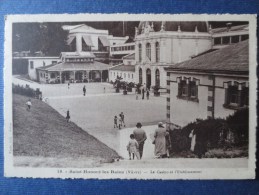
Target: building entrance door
(148,77)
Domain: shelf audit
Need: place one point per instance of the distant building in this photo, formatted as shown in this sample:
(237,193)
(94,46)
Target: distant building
(117,52)
(125,71)
(211,85)
(74,67)
(85,38)
(87,63)
(228,35)
(36,62)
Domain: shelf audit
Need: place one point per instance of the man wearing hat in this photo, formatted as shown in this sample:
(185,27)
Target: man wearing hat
(140,136)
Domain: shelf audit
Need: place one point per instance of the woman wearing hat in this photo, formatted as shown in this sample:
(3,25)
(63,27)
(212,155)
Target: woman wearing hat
(160,141)
(140,136)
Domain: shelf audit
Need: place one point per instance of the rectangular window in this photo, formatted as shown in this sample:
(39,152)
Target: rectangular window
(235,39)
(226,40)
(188,91)
(244,37)
(217,41)
(31,65)
(193,89)
(235,99)
(184,89)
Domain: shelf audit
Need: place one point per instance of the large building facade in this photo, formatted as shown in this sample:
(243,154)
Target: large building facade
(161,44)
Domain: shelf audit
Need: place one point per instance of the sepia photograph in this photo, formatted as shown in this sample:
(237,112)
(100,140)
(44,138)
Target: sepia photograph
(136,96)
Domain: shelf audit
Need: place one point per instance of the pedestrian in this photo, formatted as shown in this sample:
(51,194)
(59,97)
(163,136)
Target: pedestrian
(160,141)
(68,84)
(147,94)
(143,93)
(193,140)
(140,136)
(68,116)
(115,122)
(122,119)
(84,90)
(132,148)
(28,103)
(136,93)
(104,90)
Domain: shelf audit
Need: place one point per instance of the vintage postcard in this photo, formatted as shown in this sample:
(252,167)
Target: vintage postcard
(130,96)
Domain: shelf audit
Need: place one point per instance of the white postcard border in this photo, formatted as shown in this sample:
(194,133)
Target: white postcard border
(175,173)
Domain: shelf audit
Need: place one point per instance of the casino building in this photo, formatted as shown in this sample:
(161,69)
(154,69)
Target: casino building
(161,44)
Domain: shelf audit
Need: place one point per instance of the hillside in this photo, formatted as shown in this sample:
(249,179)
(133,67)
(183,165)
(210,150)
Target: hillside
(43,132)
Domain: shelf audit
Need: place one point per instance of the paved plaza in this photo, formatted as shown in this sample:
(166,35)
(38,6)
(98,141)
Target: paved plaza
(94,113)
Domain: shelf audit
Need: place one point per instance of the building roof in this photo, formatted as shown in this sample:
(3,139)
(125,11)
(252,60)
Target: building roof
(129,57)
(72,27)
(230,29)
(173,26)
(231,59)
(66,66)
(128,68)
(81,54)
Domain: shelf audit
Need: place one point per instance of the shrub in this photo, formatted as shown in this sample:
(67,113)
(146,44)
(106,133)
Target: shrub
(26,91)
(212,134)
(179,142)
(239,124)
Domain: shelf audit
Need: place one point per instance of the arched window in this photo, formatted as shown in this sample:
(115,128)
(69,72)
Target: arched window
(157,77)
(157,52)
(140,76)
(140,52)
(148,51)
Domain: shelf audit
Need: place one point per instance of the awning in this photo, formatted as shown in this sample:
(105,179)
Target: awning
(104,41)
(88,40)
(70,39)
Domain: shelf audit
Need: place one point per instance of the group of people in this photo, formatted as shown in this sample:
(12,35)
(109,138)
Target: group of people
(119,121)
(144,91)
(138,137)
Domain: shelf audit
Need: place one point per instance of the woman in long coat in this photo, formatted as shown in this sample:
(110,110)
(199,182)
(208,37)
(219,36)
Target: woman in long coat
(160,141)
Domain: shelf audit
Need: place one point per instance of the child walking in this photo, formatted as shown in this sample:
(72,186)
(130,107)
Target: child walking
(28,103)
(132,148)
